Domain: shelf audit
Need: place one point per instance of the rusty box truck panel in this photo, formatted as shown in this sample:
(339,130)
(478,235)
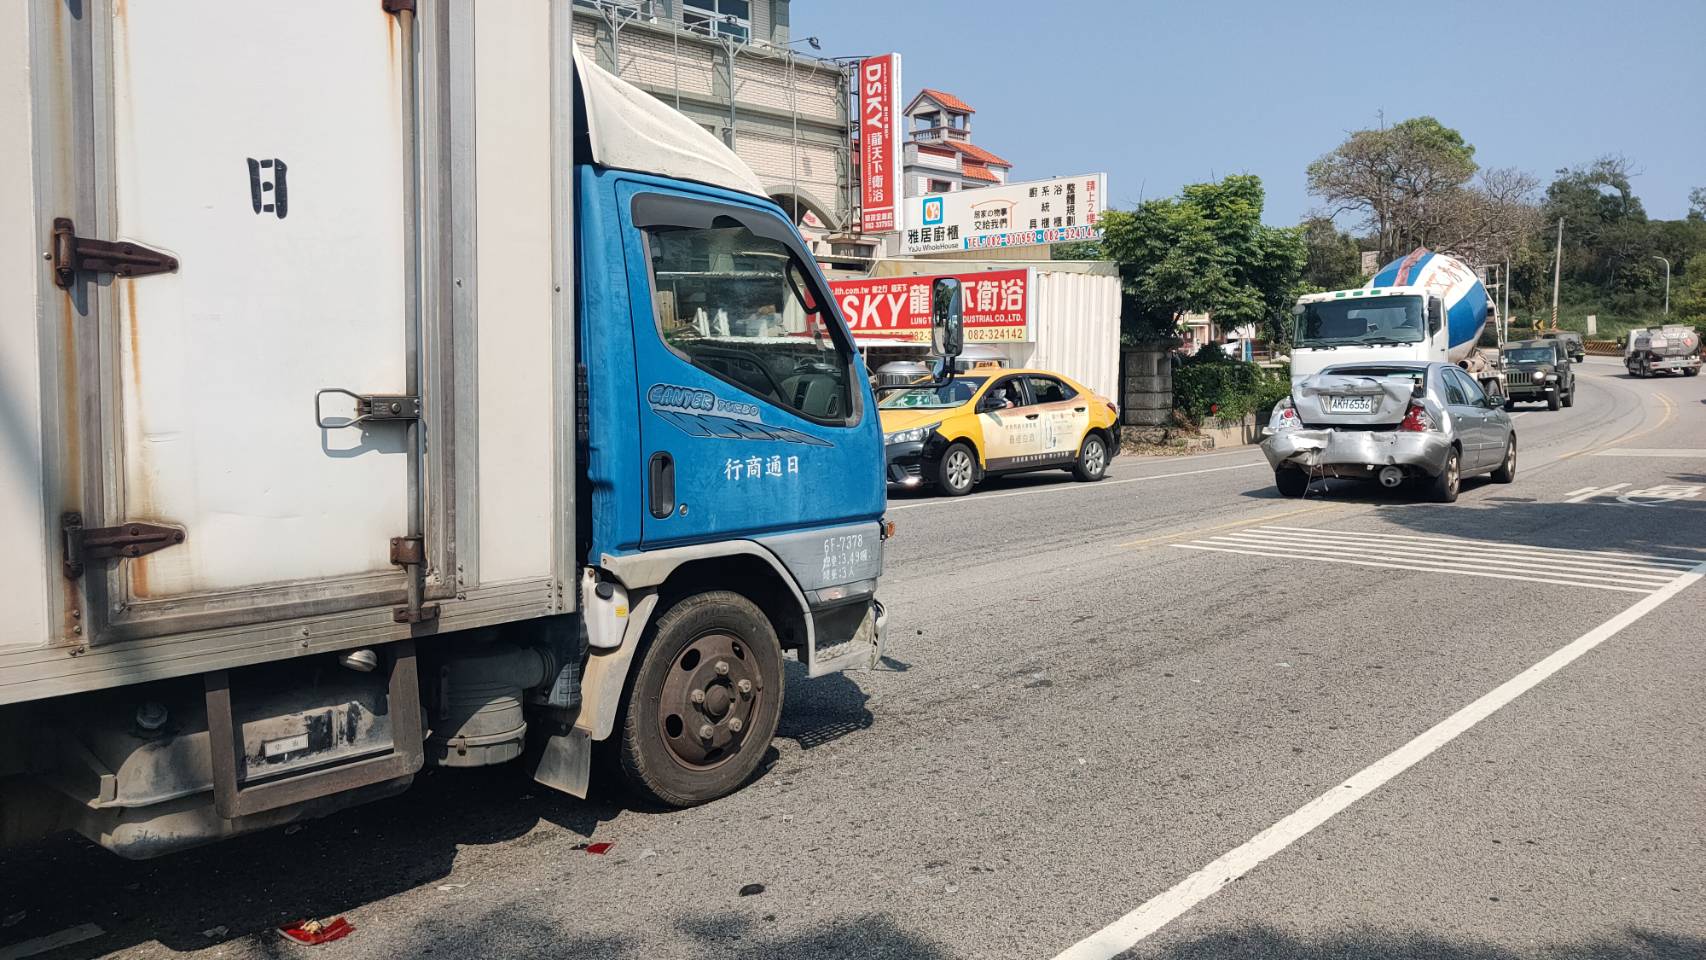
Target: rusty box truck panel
(270,164)
(268,177)
(24,562)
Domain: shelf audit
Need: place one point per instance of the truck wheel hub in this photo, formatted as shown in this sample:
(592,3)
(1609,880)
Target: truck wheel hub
(708,700)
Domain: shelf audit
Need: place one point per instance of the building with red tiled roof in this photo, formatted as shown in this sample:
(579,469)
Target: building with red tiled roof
(946,100)
(940,157)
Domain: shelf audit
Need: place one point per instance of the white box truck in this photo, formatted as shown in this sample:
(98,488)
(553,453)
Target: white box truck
(380,387)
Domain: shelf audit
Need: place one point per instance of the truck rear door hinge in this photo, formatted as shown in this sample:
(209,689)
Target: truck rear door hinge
(72,253)
(410,553)
(133,539)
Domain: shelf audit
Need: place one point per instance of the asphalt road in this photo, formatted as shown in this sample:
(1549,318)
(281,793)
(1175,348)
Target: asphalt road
(1170,715)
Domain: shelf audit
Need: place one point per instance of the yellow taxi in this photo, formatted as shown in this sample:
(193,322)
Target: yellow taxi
(993,421)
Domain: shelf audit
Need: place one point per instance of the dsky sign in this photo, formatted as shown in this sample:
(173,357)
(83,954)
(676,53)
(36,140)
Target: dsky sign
(880,144)
(997,306)
(1025,214)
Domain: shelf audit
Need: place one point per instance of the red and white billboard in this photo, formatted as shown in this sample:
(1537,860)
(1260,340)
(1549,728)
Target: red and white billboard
(997,306)
(880,137)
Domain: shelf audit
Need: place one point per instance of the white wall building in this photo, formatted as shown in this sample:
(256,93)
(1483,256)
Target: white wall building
(940,156)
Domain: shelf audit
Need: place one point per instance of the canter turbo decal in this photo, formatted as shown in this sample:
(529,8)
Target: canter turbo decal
(701,413)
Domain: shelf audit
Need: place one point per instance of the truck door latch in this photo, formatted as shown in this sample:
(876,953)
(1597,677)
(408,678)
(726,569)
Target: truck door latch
(72,253)
(133,539)
(368,406)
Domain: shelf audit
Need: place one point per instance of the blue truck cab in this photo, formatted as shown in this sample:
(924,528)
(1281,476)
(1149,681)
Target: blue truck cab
(733,493)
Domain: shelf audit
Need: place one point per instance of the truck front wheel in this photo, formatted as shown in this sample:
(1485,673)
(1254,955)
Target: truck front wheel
(704,703)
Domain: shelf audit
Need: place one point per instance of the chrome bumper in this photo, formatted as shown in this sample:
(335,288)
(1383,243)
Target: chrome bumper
(1357,452)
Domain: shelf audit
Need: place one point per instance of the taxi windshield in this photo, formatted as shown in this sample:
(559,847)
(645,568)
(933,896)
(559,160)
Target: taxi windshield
(934,398)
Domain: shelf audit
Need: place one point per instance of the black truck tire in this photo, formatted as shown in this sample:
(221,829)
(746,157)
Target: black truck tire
(1552,401)
(1291,481)
(1569,399)
(719,645)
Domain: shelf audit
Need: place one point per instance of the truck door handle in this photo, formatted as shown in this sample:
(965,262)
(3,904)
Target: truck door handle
(662,484)
(1031,416)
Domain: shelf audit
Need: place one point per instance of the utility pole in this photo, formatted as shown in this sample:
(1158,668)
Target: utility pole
(1667,284)
(1505,308)
(1557,272)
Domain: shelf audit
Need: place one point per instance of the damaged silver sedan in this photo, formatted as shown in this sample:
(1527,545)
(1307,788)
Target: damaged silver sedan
(1393,422)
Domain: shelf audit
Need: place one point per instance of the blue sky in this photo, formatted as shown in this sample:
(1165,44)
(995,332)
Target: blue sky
(1164,94)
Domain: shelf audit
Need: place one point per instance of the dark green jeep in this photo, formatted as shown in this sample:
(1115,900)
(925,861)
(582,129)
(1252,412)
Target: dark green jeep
(1540,371)
(1573,344)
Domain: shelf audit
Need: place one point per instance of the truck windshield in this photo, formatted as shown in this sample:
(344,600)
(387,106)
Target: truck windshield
(1365,320)
(740,306)
(1529,355)
(939,398)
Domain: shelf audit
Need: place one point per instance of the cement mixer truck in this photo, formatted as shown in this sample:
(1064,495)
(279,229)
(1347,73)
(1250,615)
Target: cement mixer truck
(1425,307)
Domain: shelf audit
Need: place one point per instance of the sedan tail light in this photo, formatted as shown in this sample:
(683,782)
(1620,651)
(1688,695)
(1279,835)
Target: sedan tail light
(1417,419)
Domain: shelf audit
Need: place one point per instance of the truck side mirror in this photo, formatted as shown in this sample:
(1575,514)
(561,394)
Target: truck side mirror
(946,322)
(1434,315)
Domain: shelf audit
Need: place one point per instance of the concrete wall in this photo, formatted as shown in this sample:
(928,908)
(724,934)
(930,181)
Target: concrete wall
(1148,386)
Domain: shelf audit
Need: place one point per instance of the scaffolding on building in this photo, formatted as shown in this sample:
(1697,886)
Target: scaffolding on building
(772,98)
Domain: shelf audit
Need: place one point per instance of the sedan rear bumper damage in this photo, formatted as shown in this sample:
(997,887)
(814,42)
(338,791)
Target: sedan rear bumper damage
(1357,453)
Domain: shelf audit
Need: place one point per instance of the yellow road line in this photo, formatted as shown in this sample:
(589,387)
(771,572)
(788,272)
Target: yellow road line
(1664,421)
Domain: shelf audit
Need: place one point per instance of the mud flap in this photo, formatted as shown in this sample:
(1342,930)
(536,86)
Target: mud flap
(565,762)
(846,638)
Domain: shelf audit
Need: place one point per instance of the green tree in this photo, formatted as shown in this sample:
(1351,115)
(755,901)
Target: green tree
(1415,184)
(1688,298)
(1608,242)
(1078,250)
(1697,204)
(1335,257)
(1206,251)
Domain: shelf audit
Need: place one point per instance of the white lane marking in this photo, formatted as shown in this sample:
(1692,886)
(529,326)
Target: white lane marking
(1576,493)
(52,941)
(1596,492)
(1300,554)
(1560,569)
(1059,488)
(1566,553)
(1136,459)
(1650,452)
(1127,931)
